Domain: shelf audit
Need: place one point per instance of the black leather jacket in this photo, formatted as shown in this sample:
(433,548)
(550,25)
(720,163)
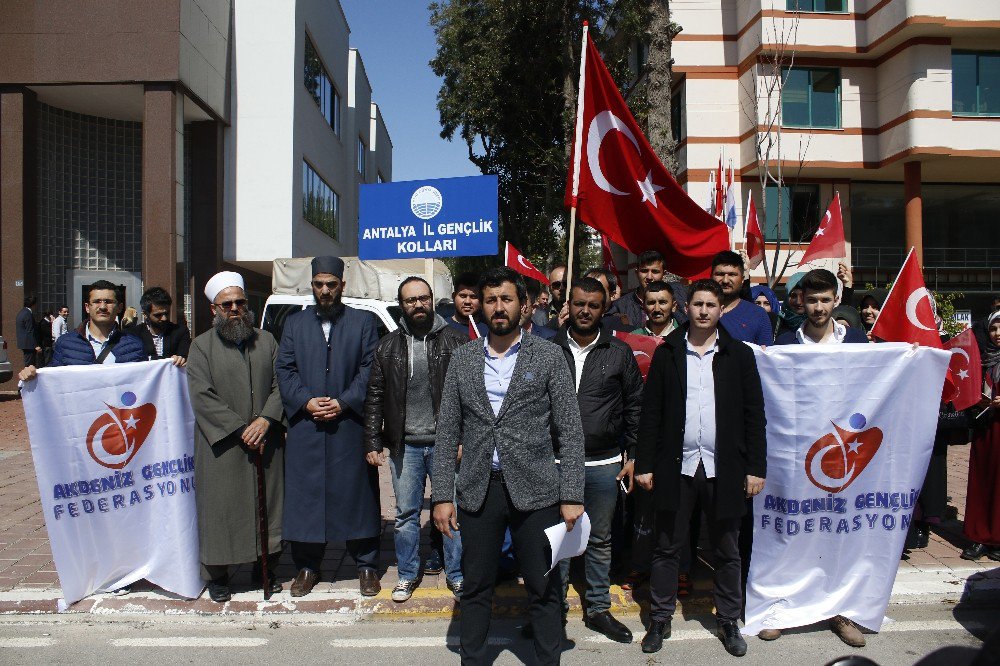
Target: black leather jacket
(385,404)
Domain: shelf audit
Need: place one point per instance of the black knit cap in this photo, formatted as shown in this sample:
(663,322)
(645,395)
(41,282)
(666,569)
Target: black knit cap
(332,265)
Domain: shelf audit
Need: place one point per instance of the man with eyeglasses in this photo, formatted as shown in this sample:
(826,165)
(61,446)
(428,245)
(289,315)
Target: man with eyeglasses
(404,395)
(324,362)
(237,409)
(97,341)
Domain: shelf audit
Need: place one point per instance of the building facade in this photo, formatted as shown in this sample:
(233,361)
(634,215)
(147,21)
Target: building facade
(157,143)
(895,104)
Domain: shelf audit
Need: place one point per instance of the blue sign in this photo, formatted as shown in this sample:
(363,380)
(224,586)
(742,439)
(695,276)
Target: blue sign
(447,217)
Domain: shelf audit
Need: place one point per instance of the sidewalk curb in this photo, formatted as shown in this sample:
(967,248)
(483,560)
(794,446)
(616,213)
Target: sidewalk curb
(974,587)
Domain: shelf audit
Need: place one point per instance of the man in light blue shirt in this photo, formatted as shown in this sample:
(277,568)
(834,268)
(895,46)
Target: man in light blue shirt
(498,372)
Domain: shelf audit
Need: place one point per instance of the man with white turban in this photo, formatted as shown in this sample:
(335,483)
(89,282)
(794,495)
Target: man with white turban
(238,413)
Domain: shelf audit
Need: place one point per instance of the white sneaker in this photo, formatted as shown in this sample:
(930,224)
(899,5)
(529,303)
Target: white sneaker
(403,590)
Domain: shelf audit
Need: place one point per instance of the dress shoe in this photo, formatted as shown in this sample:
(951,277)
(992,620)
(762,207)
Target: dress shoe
(769,634)
(923,535)
(847,631)
(304,582)
(257,579)
(456,587)
(605,623)
(218,590)
(994,554)
(974,551)
(369,583)
(729,633)
(655,635)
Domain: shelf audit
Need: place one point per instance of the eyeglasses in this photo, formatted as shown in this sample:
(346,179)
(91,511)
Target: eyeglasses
(558,284)
(103,301)
(332,285)
(423,300)
(240,303)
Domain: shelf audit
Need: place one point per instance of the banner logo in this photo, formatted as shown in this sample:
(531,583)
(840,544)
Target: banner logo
(837,458)
(426,202)
(116,436)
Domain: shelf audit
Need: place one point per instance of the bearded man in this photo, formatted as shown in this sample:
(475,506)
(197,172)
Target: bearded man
(323,365)
(237,408)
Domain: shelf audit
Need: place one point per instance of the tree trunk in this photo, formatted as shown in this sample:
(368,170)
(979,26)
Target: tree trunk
(658,84)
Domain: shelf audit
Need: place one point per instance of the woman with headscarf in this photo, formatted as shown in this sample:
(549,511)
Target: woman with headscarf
(793,311)
(764,297)
(982,505)
(870,306)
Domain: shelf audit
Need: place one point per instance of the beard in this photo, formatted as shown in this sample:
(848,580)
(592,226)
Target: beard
(503,326)
(420,328)
(582,330)
(236,330)
(328,311)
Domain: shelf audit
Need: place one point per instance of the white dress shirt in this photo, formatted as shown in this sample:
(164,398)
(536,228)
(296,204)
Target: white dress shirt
(699,424)
(580,355)
(839,333)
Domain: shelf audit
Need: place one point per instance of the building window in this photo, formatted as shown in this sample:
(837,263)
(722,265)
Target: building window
(320,204)
(362,157)
(975,84)
(320,86)
(810,97)
(815,5)
(799,213)
(677,114)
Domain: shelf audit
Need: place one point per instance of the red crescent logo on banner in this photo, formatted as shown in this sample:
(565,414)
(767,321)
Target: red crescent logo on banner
(116,436)
(837,458)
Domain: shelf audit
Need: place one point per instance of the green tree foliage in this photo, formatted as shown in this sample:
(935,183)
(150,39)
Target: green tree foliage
(509,71)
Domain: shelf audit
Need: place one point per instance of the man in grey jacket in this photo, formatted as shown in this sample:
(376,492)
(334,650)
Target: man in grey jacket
(509,400)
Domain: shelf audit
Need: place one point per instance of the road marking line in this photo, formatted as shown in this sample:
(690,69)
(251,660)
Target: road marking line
(415,641)
(189,641)
(25,642)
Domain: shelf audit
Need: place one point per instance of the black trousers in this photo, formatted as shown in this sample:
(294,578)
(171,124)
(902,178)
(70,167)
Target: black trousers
(671,536)
(482,536)
(309,555)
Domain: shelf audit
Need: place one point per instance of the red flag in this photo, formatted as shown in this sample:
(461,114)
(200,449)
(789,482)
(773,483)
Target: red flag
(607,258)
(513,258)
(642,346)
(619,186)
(720,190)
(908,313)
(473,330)
(754,237)
(828,241)
(966,369)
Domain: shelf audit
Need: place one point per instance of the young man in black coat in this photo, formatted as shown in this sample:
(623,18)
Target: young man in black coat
(161,338)
(701,436)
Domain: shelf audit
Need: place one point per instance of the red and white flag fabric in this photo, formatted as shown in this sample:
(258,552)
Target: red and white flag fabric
(619,186)
(513,258)
(754,236)
(473,330)
(720,191)
(607,258)
(908,313)
(966,370)
(828,241)
(642,346)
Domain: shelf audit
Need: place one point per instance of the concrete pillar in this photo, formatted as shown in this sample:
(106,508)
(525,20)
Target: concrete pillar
(914,209)
(18,211)
(206,215)
(163,190)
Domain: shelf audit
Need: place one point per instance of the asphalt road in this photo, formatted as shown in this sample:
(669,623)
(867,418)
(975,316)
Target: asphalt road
(918,630)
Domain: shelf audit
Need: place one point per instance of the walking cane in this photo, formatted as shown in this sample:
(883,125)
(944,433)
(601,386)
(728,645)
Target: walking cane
(262,522)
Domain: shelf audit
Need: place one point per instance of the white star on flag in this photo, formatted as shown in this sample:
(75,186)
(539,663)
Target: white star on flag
(131,421)
(964,374)
(649,189)
(820,231)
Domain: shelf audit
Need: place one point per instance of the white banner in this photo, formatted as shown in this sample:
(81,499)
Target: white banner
(849,434)
(113,447)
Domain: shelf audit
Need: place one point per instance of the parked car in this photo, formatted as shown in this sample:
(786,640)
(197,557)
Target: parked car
(6,370)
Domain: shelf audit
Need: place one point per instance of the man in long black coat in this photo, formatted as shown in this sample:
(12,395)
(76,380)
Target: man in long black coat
(701,436)
(331,492)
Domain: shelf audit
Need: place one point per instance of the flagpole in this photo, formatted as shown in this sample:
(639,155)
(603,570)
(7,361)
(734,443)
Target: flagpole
(893,287)
(577,154)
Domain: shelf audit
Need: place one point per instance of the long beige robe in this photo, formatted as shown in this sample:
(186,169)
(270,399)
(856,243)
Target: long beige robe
(229,389)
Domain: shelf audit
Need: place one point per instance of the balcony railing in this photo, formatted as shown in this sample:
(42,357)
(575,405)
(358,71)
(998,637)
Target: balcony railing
(934,257)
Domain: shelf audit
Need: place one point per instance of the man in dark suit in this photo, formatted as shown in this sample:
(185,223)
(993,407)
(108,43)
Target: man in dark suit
(508,398)
(161,338)
(701,436)
(27,333)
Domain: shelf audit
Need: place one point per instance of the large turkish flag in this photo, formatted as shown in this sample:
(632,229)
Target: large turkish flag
(623,190)
(966,369)
(908,313)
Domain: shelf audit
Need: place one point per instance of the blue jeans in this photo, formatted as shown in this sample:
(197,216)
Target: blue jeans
(600,496)
(410,473)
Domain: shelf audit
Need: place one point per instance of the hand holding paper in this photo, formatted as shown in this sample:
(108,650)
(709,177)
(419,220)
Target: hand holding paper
(565,543)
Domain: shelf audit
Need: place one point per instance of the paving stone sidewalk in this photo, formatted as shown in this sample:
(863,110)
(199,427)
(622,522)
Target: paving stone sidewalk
(29,583)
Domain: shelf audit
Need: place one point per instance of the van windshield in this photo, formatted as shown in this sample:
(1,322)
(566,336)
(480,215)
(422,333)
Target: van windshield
(275,315)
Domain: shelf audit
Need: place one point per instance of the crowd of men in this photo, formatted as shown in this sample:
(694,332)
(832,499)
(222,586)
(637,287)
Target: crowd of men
(479,405)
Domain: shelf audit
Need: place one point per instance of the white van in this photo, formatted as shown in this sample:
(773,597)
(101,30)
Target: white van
(371,286)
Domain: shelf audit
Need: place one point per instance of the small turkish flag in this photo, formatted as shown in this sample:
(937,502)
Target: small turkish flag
(828,241)
(908,313)
(512,258)
(966,369)
(473,330)
(755,239)
(620,187)
(642,346)
(607,258)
